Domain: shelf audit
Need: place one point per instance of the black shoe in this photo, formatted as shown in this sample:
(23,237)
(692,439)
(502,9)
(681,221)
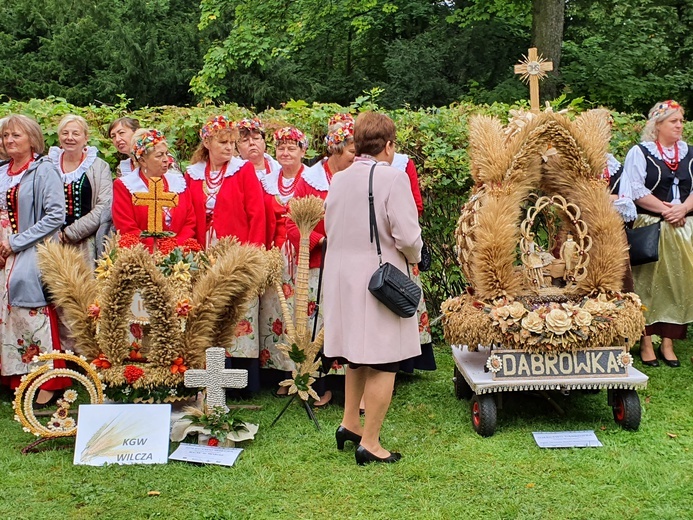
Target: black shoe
(342,435)
(363,457)
(673,363)
(650,363)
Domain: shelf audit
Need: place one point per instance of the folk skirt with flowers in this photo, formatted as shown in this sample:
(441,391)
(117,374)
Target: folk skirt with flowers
(24,332)
(272,326)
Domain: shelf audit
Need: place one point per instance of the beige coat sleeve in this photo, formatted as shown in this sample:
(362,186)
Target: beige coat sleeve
(102,198)
(404,219)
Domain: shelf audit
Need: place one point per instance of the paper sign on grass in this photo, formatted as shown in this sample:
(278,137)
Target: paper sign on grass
(206,454)
(122,434)
(572,439)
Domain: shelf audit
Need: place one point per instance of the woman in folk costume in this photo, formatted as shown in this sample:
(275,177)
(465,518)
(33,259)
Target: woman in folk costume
(316,181)
(279,186)
(32,209)
(120,132)
(131,210)
(229,202)
(425,361)
(88,188)
(657,177)
(252,147)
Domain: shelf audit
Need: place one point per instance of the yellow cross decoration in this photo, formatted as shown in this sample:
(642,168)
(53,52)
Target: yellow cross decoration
(532,69)
(156,199)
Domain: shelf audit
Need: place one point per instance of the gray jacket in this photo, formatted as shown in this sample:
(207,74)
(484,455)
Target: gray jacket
(41,202)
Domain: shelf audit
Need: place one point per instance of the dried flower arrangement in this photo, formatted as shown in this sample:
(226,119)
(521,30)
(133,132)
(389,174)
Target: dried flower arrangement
(512,300)
(193,300)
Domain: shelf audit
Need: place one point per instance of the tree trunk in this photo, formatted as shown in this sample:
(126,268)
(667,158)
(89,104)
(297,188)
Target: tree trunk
(547,36)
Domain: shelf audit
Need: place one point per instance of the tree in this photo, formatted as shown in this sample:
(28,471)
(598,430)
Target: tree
(547,36)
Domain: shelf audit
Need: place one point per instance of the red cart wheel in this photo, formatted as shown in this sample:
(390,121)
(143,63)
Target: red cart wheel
(483,408)
(626,408)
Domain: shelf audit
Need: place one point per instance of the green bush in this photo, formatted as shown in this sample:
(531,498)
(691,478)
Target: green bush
(435,138)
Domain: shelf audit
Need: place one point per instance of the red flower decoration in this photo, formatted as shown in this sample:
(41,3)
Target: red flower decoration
(277,327)
(191,245)
(243,328)
(128,240)
(336,365)
(311,308)
(178,366)
(415,270)
(31,351)
(136,330)
(132,373)
(166,245)
(423,322)
(101,362)
(20,341)
(183,307)
(94,311)
(135,354)
(264,357)
(213,441)
(288,290)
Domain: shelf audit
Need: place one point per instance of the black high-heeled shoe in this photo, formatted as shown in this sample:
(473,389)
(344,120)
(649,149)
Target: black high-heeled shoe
(363,457)
(342,435)
(673,363)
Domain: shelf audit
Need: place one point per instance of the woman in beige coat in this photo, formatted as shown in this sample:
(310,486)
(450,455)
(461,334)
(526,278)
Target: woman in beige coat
(358,328)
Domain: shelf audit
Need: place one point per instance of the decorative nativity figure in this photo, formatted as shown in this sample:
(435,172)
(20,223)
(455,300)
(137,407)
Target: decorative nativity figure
(535,265)
(569,254)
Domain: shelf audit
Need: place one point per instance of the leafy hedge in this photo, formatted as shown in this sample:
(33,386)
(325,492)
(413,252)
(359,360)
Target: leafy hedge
(436,138)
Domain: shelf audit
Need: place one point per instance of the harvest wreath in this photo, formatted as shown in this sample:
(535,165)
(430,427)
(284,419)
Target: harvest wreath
(193,300)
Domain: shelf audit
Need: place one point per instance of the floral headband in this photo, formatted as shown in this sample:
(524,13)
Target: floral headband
(341,134)
(663,108)
(148,140)
(290,133)
(252,125)
(341,118)
(214,125)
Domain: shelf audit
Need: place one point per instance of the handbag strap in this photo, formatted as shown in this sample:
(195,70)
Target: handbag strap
(373,223)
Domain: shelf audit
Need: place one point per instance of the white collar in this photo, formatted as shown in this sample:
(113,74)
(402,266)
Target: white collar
(316,176)
(197,170)
(55,154)
(612,164)
(126,167)
(400,161)
(8,181)
(135,184)
(652,148)
(270,184)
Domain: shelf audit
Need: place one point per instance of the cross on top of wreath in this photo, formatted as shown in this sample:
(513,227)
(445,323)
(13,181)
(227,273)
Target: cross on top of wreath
(531,70)
(156,199)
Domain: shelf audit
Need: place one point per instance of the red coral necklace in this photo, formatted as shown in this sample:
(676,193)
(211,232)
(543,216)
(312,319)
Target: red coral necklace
(20,170)
(671,162)
(289,190)
(214,181)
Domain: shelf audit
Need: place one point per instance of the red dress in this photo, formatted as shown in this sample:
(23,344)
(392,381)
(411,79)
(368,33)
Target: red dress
(132,219)
(277,200)
(237,210)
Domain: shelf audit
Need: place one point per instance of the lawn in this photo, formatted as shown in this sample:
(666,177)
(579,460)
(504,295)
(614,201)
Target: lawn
(294,471)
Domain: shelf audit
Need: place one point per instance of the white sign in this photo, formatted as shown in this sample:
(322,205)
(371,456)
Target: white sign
(122,434)
(206,454)
(576,439)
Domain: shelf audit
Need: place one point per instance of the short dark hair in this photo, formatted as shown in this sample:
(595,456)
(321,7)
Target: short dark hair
(372,131)
(128,122)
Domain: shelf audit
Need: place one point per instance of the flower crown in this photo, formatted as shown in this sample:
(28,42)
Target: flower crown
(341,118)
(252,125)
(148,140)
(214,125)
(663,108)
(290,133)
(341,134)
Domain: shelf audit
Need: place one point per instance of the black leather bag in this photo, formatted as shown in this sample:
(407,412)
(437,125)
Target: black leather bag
(644,244)
(388,284)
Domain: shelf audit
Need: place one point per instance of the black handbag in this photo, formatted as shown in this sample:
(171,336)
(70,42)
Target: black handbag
(425,263)
(388,284)
(644,244)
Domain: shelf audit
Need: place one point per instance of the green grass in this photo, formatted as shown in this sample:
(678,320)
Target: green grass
(448,471)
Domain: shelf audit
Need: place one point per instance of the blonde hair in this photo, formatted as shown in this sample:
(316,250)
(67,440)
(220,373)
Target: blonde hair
(201,153)
(73,118)
(28,126)
(655,116)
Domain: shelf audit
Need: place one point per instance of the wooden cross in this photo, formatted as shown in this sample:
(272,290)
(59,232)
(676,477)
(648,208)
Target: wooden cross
(215,378)
(156,199)
(532,69)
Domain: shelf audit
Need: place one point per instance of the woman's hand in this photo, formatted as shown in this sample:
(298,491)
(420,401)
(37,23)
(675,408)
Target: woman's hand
(5,249)
(674,214)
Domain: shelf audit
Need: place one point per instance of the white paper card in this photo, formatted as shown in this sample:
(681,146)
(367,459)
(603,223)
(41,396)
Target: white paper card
(575,439)
(206,454)
(122,434)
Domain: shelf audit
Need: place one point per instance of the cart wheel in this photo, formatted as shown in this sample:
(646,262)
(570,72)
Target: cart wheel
(484,414)
(462,389)
(626,407)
